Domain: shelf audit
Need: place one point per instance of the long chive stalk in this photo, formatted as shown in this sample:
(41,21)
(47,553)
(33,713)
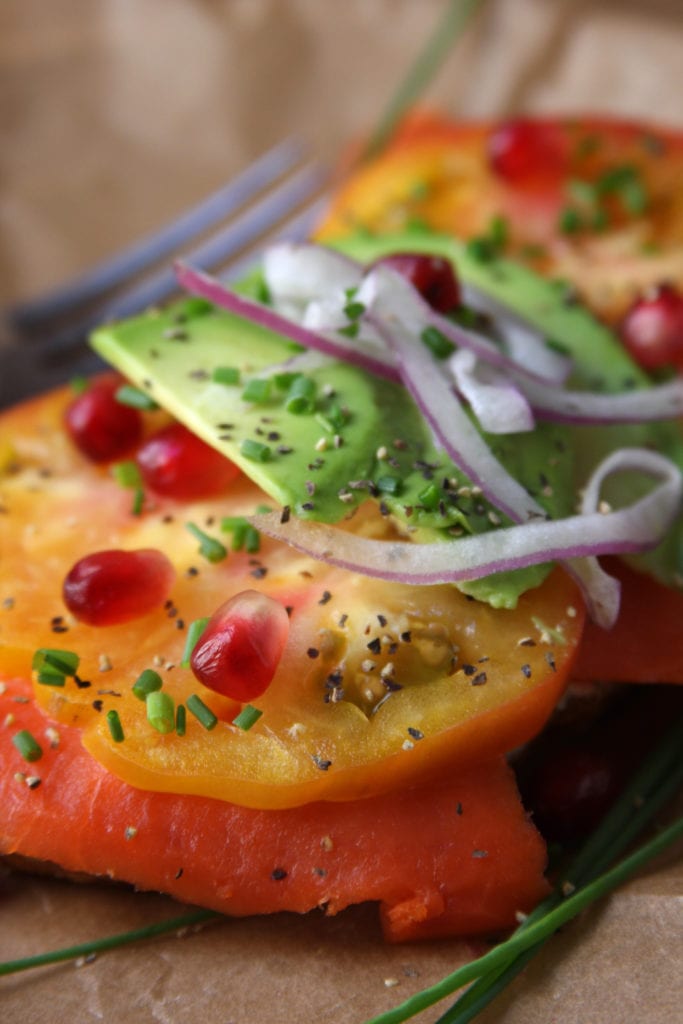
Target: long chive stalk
(447,31)
(85,949)
(657,781)
(501,956)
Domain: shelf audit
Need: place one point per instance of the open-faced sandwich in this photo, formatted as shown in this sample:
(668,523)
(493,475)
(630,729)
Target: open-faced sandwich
(282,593)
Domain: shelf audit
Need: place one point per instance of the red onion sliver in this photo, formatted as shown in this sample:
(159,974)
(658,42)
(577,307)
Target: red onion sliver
(498,405)
(436,400)
(207,287)
(637,527)
(660,402)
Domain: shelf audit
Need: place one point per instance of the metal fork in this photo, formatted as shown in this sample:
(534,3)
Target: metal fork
(277,196)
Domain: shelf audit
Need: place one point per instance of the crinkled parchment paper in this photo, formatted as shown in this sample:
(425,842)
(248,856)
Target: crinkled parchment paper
(114,115)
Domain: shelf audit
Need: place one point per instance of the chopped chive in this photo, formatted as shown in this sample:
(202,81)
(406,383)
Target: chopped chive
(180,720)
(201,712)
(334,419)
(226,375)
(64,662)
(209,547)
(138,501)
(247,717)
(354,310)
(115,727)
(257,390)
(351,330)
(50,677)
(569,221)
(301,396)
(127,474)
(147,682)
(129,395)
(244,535)
(160,711)
(388,484)
(256,451)
(194,631)
(437,343)
(284,381)
(430,496)
(28,747)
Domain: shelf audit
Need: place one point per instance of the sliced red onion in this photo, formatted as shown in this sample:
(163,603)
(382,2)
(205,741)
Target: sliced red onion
(295,274)
(424,379)
(637,527)
(497,404)
(527,348)
(660,402)
(199,283)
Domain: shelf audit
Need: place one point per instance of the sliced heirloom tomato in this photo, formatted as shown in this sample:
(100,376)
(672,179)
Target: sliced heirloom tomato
(380,685)
(593,202)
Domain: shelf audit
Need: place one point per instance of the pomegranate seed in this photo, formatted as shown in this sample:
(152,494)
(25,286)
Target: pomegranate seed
(652,330)
(101,427)
(432,276)
(238,653)
(109,587)
(526,152)
(177,464)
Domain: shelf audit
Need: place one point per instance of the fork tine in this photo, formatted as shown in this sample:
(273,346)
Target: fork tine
(152,290)
(137,257)
(32,366)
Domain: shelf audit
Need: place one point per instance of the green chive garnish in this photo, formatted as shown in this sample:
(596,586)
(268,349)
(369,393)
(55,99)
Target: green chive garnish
(160,711)
(256,451)
(437,343)
(115,727)
(247,717)
(244,535)
(388,484)
(147,682)
(28,747)
(180,720)
(127,474)
(226,375)
(201,712)
(354,310)
(194,631)
(53,658)
(440,43)
(257,390)
(209,547)
(129,395)
(301,396)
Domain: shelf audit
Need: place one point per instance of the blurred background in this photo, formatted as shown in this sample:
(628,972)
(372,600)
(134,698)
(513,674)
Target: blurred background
(115,114)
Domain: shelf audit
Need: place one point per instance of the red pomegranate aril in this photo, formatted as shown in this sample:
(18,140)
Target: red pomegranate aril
(238,653)
(527,152)
(652,330)
(100,426)
(432,276)
(108,587)
(177,464)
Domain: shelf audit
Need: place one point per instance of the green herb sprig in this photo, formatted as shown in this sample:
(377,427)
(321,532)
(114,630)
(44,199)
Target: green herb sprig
(587,879)
(448,30)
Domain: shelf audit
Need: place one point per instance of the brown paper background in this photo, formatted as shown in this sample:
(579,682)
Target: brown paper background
(114,115)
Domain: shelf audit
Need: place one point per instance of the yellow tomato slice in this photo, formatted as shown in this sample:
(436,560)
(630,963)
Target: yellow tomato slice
(380,684)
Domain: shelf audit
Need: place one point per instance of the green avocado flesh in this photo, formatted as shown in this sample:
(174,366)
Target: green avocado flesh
(357,436)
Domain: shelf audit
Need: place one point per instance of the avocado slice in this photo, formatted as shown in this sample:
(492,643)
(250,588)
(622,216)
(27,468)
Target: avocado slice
(358,436)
